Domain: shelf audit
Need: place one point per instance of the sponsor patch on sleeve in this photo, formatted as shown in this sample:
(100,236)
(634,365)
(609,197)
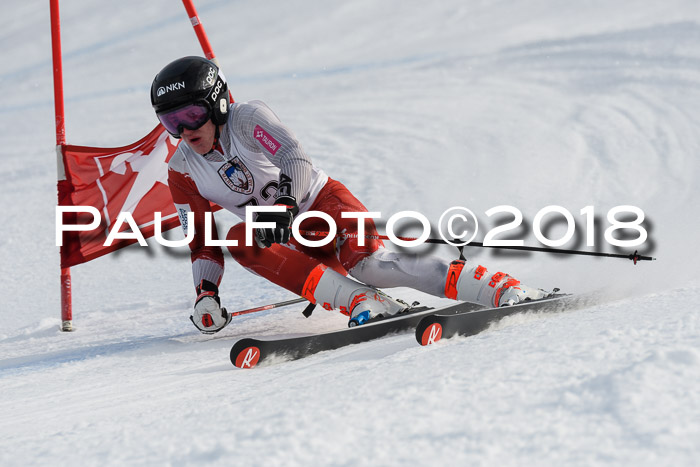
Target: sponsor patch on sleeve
(266,139)
(182,210)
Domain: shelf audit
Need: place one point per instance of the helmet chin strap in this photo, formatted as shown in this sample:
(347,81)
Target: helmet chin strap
(217,135)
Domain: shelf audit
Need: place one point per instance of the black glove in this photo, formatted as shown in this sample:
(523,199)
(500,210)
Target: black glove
(283,223)
(207,289)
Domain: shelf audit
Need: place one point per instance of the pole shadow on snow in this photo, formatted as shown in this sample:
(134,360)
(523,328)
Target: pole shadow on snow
(50,359)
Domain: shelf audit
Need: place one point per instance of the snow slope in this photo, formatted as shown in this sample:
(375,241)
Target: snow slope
(415,106)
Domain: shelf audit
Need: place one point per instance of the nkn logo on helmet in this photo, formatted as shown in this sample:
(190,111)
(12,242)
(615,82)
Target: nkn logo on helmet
(170,87)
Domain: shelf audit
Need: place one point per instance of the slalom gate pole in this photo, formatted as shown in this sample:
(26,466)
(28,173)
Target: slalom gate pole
(62,184)
(202,36)
(633,257)
(199,30)
(268,307)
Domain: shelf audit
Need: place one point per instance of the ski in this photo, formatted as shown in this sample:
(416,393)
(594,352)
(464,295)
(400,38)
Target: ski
(438,325)
(249,352)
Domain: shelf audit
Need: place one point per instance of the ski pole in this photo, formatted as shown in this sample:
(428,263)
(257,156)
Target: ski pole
(268,307)
(633,257)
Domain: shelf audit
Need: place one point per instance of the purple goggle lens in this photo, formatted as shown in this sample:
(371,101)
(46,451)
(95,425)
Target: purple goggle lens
(191,117)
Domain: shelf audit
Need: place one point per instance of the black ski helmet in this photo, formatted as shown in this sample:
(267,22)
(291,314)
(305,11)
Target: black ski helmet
(191,80)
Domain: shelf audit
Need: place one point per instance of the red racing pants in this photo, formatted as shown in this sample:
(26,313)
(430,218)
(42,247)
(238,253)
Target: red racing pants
(289,265)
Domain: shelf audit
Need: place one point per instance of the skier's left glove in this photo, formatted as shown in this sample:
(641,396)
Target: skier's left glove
(208,315)
(281,233)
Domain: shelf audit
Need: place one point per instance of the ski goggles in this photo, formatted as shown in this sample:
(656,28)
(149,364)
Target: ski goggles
(191,116)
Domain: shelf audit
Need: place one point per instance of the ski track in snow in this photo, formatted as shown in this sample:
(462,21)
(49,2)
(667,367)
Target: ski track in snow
(414,107)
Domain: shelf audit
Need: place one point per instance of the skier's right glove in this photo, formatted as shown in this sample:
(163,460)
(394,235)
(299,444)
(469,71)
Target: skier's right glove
(208,315)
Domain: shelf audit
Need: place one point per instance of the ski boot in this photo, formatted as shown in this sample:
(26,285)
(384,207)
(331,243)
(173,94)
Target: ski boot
(477,285)
(360,302)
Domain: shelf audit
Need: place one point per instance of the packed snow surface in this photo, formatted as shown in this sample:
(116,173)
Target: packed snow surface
(414,106)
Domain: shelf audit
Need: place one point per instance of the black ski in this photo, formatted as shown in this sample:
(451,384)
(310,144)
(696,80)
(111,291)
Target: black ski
(438,325)
(248,352)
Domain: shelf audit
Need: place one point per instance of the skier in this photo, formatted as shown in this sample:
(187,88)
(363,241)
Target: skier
(240,154)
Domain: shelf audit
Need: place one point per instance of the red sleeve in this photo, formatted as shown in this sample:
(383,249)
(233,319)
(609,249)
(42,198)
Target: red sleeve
(187,198)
